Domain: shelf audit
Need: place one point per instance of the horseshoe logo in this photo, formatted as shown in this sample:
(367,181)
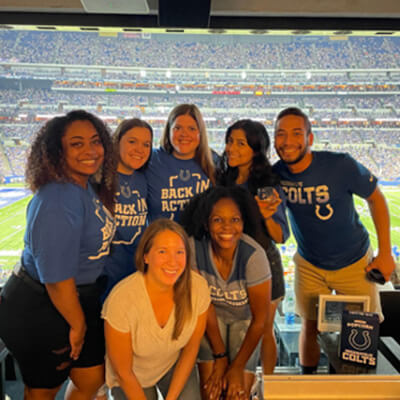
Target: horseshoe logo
(360,346)
(125,191)
(324,217)
(184,175)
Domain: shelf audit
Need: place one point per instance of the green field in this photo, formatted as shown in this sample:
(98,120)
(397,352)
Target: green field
(12,223)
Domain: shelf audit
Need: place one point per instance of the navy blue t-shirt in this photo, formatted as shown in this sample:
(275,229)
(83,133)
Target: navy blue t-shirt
(131,220)
(322,215)
(171,183)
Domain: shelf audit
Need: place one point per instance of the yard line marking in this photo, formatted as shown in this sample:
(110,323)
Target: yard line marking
(13,234)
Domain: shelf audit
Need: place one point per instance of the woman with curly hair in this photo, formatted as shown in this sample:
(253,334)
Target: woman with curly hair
(52,301)
(221,222)
(182,166)
(245,163)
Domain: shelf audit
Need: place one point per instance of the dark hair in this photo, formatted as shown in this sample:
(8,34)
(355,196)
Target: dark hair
(194,218)
(46,161)
(261,170)
(125,126)
(203,154)
(298,113)
(182,287)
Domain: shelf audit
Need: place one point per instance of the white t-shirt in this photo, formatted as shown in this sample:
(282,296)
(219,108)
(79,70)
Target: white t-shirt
(128,309)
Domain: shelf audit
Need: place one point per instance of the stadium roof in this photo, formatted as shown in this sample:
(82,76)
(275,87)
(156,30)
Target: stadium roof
(259,15)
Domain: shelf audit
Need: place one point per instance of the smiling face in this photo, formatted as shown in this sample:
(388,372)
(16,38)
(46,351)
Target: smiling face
(225,225)
(292,143)
(134,150)
(83,151)
(166,259)
(184,137)
(238,151)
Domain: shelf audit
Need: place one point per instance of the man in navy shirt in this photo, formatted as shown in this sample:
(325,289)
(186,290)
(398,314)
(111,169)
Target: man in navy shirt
(333,247)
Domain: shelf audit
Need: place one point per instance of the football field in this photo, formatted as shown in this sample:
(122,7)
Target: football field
(12,225)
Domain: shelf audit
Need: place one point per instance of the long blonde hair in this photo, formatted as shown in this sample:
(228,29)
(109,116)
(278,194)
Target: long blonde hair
(203,154)
(183,286)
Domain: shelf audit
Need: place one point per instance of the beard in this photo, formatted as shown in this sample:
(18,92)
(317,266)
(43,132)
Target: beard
(300,156)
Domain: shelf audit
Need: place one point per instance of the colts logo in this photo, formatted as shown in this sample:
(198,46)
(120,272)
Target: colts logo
(326,214)
(125,190)
(362,346)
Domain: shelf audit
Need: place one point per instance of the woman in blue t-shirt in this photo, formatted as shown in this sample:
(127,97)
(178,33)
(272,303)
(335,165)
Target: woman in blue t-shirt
(182,166)
(245,163)
(50,306)
(132,144)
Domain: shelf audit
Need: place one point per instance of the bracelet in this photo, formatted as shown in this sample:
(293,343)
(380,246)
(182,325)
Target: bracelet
(220,355)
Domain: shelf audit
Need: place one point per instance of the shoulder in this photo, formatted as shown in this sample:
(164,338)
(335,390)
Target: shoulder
(251,243)
(123,289)
(60,195)
(199,284)
(278,167)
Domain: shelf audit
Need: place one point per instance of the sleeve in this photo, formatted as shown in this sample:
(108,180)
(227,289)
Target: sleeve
(202,291)
(257,268)
(360,180)
(56,234)
(280,215)
(114,311)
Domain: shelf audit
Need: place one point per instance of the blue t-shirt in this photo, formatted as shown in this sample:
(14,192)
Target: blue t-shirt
(68,234)
(250,268)
(171,183)
(131,219)
(324,221)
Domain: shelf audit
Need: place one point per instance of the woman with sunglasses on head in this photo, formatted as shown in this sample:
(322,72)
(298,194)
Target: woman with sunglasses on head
(52,302)
(182,166)
(245,163)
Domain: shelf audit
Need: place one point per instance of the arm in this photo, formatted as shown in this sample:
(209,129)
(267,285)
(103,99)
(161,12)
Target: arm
(119,350)
(380,215)
(259,299)
(187,359)
(65,298)
(214,384)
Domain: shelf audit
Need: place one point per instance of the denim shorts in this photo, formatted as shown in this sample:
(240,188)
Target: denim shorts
(233,335)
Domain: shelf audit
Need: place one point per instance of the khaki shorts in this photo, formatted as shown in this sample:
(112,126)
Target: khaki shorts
(311,281)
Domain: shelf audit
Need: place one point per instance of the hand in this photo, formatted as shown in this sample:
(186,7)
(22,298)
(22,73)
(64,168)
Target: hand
(234,384)
(215,383)
(76,339)
(269,206)
(385,263)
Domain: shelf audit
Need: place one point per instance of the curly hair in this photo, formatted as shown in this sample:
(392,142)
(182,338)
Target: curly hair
(203,153)
(261,173)
(194,217)
(125,126)
(182,292)
(46,160)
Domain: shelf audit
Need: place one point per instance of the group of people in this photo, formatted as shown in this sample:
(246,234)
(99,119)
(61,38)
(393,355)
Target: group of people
(157,269)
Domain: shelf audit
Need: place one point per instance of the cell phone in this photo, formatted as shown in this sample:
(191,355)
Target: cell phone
(264,192)
(374,275)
